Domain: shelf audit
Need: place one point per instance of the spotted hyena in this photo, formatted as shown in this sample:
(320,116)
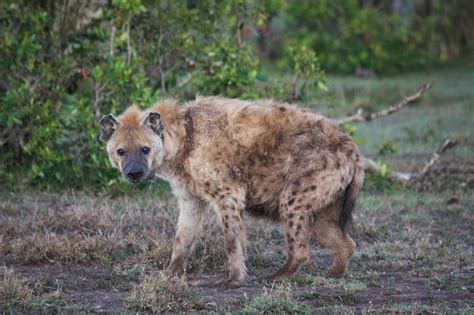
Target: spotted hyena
(265,158)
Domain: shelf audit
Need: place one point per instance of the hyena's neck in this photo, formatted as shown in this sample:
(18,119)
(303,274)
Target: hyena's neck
(174,136)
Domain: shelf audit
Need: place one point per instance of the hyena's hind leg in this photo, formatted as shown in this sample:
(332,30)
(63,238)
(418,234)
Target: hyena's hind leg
(296,226)
(327,231)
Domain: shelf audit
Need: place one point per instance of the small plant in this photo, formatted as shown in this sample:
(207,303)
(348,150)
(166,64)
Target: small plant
(388,148)
(303,62)
(272,304)
(157,294)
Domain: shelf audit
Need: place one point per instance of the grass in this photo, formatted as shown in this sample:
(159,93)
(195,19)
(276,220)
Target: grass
(160,293)
(22,295)
(84,251)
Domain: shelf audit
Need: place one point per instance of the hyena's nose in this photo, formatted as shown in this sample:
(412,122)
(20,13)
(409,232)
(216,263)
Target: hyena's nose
(135,175)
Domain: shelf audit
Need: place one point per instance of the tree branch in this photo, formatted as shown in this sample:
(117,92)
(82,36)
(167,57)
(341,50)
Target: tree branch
(374,167)
(408,178)
(359,116)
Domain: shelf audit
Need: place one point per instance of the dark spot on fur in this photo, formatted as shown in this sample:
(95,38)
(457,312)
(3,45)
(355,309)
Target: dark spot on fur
(296,183)
(226,225)
(290,248)
(290,224)
(291,201)
(282,109)
(301,217)
(226,217)
(324,162)
(302,246)
(298,227)
(291,215)
(308,173)
(308,206)
(207,184)
(313,187)
(349,153)
(338,164)
(297,207)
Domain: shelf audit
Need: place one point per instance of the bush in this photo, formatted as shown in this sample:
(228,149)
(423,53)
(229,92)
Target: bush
(376,35)
(61,69)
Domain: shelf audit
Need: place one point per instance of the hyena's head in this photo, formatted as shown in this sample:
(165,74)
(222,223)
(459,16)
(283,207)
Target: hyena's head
(134,143)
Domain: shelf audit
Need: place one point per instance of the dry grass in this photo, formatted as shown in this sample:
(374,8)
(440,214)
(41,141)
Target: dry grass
(160,293)
(22,295)
(69,232)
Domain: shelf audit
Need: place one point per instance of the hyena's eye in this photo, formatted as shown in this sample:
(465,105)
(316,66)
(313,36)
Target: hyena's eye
(121,152)
(146,150)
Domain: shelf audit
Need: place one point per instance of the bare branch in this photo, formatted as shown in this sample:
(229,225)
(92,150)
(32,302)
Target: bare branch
(98,89)
(359,116)
(374,167)
(409,178)
(442,148)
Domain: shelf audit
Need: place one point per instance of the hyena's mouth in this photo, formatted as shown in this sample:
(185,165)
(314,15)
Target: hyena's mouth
(139,179)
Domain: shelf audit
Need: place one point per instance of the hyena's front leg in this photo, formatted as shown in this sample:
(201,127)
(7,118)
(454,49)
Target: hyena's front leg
(189,225)
(230,210)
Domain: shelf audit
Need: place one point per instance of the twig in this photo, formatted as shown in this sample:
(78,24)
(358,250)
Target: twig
(129,44)
(97,98)
(442,148)
(238,22)
(160,59)
(112,40)
(359,116)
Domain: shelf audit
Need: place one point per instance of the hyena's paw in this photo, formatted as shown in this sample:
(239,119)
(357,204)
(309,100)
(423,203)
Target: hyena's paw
(175,268)
(336,272)
(277,276)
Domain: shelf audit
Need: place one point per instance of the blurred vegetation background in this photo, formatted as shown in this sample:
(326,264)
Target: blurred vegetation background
(63,64)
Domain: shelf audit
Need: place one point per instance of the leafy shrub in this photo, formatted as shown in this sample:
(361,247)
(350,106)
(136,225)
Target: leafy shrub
(62,68)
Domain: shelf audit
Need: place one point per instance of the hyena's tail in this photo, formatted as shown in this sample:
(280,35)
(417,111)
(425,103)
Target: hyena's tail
(350,196)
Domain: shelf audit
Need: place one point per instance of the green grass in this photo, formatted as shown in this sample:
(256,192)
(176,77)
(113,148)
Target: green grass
(72,250)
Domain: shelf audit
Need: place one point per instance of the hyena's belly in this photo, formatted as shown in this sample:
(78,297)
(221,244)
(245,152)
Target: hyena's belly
(263,197)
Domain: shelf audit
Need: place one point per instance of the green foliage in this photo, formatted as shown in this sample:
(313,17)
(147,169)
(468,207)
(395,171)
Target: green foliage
(388,148)
(348,34)
(60,71)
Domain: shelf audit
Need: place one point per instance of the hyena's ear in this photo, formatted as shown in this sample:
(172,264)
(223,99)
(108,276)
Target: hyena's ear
(108,124)
(153,122)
